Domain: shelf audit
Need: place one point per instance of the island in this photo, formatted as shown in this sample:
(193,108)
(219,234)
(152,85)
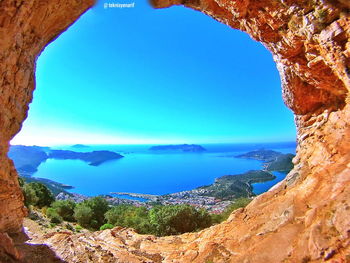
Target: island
(179,147)
(94,158)
(78,146)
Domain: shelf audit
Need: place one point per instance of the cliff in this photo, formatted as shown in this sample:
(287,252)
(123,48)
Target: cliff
(26,27)
(303,219)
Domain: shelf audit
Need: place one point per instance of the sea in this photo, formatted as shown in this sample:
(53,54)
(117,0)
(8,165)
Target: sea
(148,172)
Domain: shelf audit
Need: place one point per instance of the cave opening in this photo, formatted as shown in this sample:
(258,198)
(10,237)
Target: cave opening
(288,223)
(127,84)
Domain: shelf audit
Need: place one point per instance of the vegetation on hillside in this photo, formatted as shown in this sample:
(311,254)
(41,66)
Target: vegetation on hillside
(97,214)
(283,163)
(230,187)
(37,194)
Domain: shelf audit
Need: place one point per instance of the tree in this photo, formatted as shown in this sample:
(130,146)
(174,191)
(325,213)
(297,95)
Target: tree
(90,213)
(178,219)
(44,196)
(99,207)
(53,215)
(83,215)
(30,197)
(65,209)
(129,216)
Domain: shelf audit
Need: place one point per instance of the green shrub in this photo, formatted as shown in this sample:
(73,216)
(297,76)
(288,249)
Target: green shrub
(106,226)
(21,181)
(30,197)
(99,207)
(78,228)
(65,209)
(55,218)
(130,216)
(178,219)
(37,194)
(160,220)
(83,215)
(91,213)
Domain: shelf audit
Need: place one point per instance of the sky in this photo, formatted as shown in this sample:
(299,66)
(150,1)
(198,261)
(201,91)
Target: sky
(144,76)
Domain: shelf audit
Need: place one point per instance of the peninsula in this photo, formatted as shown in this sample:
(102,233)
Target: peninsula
(214,197)
(260,155)
(94,158)
(272,160)
(28,158)
(229,187)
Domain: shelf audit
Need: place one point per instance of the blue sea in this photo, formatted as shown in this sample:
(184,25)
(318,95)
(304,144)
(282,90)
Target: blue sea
(147,172)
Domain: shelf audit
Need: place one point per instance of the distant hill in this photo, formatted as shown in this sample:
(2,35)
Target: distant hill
(273,161)
(282,163)
(55,187)
(230,187)
(260,155)
(179,147)
(94,158)
(80,146)
(27,158)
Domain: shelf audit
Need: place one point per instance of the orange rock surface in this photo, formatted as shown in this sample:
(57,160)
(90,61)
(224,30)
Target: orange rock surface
(306,218)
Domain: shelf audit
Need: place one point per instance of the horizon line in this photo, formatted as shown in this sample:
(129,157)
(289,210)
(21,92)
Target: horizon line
(161,143)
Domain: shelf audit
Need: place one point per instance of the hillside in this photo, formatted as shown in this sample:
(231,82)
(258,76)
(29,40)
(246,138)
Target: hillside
(230,187)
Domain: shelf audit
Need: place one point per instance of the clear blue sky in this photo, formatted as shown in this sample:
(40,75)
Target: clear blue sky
(142,75)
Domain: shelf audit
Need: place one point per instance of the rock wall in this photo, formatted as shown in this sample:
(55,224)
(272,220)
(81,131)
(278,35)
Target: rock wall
(26,27)
(303,219)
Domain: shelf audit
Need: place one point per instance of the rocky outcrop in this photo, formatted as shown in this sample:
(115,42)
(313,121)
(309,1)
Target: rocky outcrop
(303,219)
(26,27)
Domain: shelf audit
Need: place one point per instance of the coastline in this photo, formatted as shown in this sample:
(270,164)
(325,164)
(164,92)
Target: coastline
(214,197)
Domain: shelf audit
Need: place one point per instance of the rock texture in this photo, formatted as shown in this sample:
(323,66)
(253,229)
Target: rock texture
(26,27)
(306,218)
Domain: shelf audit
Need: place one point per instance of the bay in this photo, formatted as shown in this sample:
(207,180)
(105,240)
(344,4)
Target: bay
(147,172)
